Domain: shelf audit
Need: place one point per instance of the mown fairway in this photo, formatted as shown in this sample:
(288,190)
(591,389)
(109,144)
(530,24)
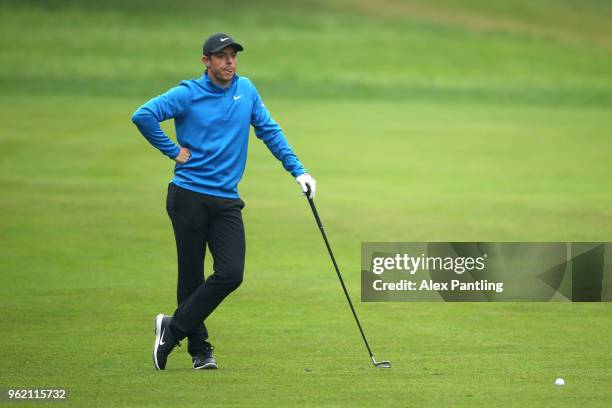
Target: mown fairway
(466,120)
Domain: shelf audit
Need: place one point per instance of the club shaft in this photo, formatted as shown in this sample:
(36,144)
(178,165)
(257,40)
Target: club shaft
(331,254)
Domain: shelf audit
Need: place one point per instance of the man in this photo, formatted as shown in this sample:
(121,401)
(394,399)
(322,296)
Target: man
(212,116)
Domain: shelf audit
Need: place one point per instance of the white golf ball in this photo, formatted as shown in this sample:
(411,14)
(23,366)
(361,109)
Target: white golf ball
(559,382)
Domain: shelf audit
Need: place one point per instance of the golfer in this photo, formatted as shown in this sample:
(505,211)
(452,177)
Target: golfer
(212,116)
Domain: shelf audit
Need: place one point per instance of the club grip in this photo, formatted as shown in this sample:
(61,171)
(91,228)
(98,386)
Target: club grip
(307,191)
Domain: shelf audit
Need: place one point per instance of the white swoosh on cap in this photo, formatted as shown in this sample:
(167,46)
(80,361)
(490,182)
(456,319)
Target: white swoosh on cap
(224,39)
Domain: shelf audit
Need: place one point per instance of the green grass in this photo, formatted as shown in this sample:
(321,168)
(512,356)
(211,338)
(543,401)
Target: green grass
(458,120)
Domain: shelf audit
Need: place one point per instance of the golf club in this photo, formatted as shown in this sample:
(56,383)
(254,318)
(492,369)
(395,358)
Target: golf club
(377,364)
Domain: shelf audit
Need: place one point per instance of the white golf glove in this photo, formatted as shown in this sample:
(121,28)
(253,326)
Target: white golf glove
(305,181)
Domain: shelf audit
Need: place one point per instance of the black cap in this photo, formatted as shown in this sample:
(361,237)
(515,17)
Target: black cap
(219,41)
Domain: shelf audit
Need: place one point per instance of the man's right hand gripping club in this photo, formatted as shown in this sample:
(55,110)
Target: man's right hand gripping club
(307,183)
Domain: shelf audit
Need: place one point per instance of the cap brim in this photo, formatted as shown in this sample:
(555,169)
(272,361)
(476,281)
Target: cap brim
(234,45)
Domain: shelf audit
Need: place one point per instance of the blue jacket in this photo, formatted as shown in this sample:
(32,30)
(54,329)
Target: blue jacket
(213,123)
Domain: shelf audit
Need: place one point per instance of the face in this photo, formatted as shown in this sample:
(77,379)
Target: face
(221,66)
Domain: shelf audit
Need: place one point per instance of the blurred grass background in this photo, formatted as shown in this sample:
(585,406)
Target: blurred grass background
(447,120)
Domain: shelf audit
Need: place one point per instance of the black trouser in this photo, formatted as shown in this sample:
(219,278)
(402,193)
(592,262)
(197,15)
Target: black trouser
(198,220)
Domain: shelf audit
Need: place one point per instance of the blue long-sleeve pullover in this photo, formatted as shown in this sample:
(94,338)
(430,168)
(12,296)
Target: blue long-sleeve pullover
(213,123)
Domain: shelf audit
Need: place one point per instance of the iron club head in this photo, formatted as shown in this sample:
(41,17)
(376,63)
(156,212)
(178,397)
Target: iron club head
(381,364)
